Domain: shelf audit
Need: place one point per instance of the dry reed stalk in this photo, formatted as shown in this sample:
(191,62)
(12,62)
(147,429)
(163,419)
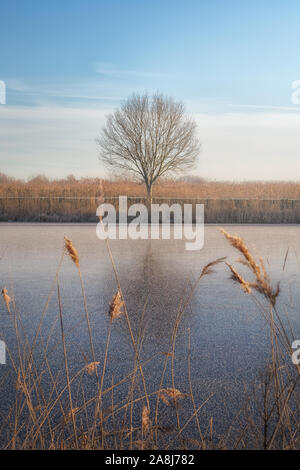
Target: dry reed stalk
(206,270)
(25,387)
(6,298)
(188,421)
(277,333)
(113,411)
(72,414)
(73,253)
(45,309)
(137,358)
(167,354)
(52,405)
(139,444)
(71,250)
(203,445)
(85,441)
(115,311)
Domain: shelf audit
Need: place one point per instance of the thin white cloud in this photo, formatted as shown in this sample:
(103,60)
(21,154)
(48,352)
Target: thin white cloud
(17,84)
(253,146)
(51,140)
(58,141)
(83,91)
(114,71)
(266,107)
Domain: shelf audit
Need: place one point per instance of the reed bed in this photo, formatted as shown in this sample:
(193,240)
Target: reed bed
(191,188)
(59,413)
(72,200)
(216,211)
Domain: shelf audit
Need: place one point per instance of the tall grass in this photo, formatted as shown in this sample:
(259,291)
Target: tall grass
(41,186)
(72,200)
(59,414)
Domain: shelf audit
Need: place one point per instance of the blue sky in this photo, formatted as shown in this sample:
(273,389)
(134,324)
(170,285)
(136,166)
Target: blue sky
(67,63)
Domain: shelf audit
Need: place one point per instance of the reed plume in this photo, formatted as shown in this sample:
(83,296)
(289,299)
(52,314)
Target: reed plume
(19,384)
(262,280)
(146,420)
(116,306)
(6,298)
(167,353)
(238,243)
(171,396)
(238,278)
(208,268)
(71,250)
(91,367)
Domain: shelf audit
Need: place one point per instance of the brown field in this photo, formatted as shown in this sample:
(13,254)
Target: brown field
(74,200)
(41,186)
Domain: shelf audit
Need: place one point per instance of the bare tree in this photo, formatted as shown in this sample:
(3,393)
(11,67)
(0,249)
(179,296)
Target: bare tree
(149,138)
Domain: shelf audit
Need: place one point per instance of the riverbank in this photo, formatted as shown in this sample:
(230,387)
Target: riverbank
(80,209)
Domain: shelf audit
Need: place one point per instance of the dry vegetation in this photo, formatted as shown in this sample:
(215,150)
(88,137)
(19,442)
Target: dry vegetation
(193,187)
(74,200)
(60,416)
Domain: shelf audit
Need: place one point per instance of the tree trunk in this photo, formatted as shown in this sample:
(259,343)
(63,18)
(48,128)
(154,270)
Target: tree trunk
(149,201)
